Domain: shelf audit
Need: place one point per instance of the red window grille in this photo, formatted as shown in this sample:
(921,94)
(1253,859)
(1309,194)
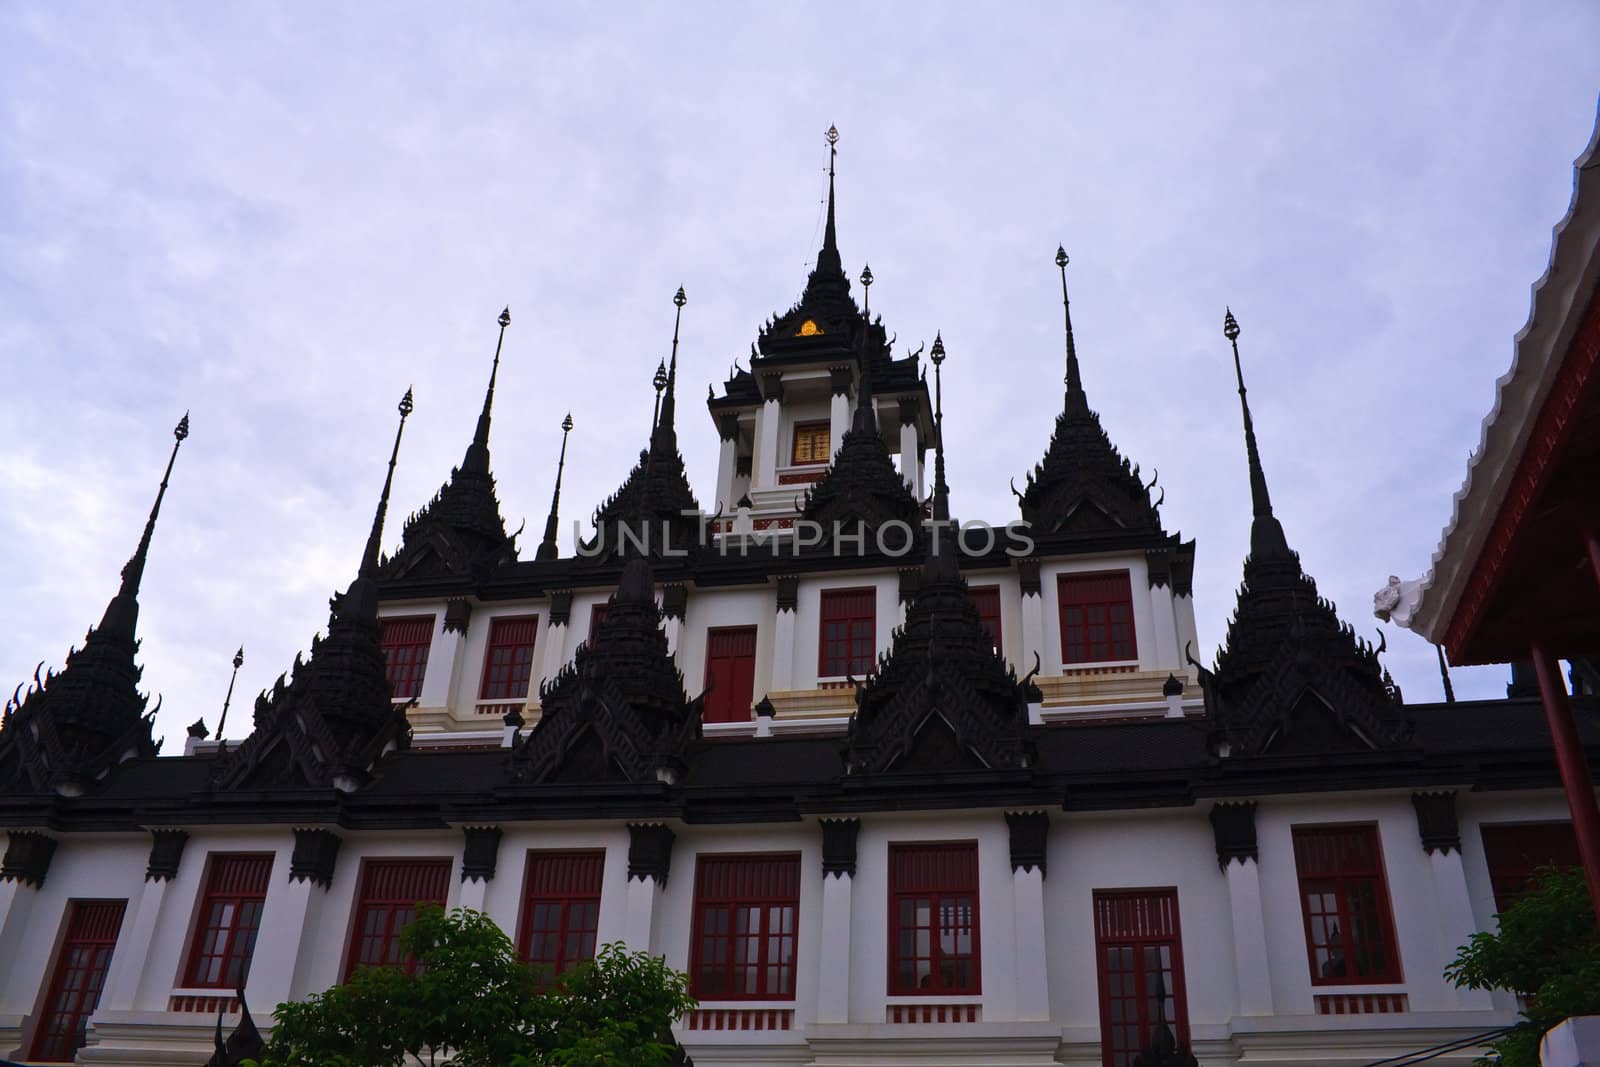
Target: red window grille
(79,975)
(1096,617)
(1139,957)
(730,673)
(1349,927)
(230,916)
(508,666)
(933,919)
(560,909)
(746,909)
(389,895)
(405,653)
(849,632)
(1517,852)
(987,600)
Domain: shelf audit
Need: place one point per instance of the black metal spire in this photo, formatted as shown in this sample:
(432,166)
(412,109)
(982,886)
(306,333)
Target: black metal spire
(668,399)
(548,548)
(238,661)
(369,557)
(477,461)
(866,293)
(660,382)
(941,491)
(1073,379)
(828,258)
(1266,534)
(1444,676)
(122,614)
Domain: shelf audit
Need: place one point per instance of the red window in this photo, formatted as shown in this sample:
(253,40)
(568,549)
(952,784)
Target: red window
(230,916)
(810,444)
(597,615)
(405,653)
(80,972)
(1349,927)
(987,600)
(560,909)
(1096,617)
(731,673)
(1516,852)
(745,912)
(1139,956)
(933,919)
(509,664)
(849,632)
(390,893)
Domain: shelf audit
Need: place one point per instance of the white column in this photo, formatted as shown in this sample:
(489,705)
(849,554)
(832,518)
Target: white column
(833,990)
(279,970)
(16,910)
(643,893)
(1249,937)
(1032,628)
(473,893)
(1165,623)
(766,472)
(838,420)
(1033,976)
(783,651)
(727,456)
(555,653)
(444,656)
(672,626)
(121,991)
(911,458)
(1452,908)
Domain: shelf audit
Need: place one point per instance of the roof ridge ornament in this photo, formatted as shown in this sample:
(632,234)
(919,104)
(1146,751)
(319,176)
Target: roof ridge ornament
(548,548)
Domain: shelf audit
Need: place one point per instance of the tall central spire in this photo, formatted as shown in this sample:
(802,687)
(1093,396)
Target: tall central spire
(1266,534)
(477,460)
(122,614)
(828,258)
(1074,378)
(369,557)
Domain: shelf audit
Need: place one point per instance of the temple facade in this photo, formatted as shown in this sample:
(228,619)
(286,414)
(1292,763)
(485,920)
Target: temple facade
(893,785)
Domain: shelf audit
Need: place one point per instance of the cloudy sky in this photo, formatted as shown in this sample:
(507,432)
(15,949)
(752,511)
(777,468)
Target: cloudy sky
(277,217)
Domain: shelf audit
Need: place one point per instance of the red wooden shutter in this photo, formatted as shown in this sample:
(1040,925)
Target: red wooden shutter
(1096,617)
(848,640)
(933,919)
(78,976)
(1516,852)
(1343,896)
(387,904)
(508,665)
(597,615)
(405,653)
(560,909)
(228,921)
(746,912)
(731,673)
(1139,957)
(987,600)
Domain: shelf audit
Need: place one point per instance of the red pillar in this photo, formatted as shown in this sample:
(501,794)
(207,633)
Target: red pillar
(1574,767)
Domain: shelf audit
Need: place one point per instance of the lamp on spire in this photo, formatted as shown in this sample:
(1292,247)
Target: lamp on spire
(941,491)
(547,548)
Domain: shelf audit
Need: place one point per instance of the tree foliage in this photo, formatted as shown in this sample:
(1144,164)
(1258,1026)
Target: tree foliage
(470,1002)
(1547,951)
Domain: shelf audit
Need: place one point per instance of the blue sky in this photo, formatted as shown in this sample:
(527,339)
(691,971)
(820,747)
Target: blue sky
(277,217)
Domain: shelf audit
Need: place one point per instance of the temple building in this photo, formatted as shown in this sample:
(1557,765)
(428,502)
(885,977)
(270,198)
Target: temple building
(892,784)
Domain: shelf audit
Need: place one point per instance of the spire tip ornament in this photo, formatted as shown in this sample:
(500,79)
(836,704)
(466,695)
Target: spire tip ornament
(678,298)
(505,317)
(1230,326)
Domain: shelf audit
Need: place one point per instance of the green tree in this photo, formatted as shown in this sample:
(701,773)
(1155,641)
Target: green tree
(471,1002)
(1547,951)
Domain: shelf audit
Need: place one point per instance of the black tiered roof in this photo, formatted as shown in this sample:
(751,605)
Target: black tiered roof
(71,729)
(1292,677)
(334,719)
(618,712)
(1084,485)
(460,531)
